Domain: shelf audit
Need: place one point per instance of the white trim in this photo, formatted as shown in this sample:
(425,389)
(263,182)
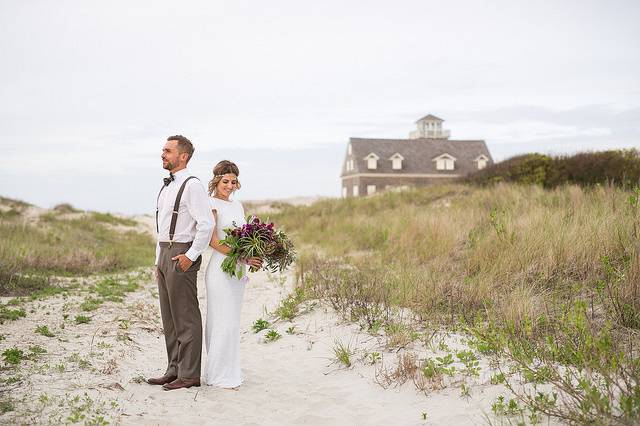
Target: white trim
(371,155)
(397,175)
(444,156)
(481,157)
(396,155)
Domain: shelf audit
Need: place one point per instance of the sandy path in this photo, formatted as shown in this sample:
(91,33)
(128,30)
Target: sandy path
(290,381)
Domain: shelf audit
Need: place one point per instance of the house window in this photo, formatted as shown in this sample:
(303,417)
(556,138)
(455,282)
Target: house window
(371,189)
(349,150)
(355,190)
(372,161)
(396,161)
(444,164)
(344,192)
(482,163)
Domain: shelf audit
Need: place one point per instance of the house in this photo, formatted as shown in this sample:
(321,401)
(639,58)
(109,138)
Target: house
(427,157)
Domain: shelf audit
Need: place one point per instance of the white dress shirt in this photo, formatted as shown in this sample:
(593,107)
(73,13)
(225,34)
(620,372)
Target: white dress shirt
(195,220)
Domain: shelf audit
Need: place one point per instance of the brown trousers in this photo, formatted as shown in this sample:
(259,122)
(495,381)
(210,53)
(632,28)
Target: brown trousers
(180,312)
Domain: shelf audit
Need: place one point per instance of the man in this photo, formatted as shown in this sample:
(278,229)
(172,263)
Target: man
(183,234)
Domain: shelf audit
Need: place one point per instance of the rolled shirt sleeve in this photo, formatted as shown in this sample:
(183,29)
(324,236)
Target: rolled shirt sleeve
(200,211)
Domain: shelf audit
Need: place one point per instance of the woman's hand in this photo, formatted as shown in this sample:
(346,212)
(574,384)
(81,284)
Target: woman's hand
(254,262)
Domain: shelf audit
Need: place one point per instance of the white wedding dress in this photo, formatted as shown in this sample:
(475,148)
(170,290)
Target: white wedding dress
(224,300)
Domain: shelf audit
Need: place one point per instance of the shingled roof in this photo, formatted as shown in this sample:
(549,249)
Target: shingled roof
(418,155)
(430,117)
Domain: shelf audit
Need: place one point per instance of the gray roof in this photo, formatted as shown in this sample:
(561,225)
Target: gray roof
(418,155)
(430,118)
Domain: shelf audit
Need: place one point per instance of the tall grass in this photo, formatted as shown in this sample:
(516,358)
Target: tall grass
(516,264)
(54,245)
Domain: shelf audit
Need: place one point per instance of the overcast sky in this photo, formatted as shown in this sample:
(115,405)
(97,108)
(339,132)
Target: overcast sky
(91,89)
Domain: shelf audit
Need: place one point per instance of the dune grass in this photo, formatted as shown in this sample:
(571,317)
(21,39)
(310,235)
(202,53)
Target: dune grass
(30,251)
(551,276)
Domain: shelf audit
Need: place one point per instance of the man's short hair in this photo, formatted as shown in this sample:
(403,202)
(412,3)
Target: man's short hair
(184,145)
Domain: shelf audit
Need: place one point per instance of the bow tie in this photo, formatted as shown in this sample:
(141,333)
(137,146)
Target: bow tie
(168,180)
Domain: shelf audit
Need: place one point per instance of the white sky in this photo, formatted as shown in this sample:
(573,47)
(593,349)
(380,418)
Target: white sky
(91,89)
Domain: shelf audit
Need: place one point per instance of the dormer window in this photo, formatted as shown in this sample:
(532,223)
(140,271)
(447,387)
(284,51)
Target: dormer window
(372,161)
(349,150)
(445,162)
(396,161)
(482,161)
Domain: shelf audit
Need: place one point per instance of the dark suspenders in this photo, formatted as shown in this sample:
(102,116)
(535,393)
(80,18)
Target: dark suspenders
(176,206)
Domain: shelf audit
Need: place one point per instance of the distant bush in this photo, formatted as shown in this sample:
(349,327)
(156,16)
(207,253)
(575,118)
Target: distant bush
(617,167)
(66,208)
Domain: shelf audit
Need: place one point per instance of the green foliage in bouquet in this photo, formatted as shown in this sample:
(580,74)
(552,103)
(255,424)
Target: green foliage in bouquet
(257,239)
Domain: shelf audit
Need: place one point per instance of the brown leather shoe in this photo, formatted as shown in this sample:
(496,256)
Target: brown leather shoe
(181,383)
(161,380)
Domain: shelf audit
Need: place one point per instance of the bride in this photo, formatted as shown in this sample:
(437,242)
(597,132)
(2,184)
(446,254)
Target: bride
(224,294)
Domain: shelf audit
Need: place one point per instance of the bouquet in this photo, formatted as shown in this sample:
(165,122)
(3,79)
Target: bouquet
(257,239)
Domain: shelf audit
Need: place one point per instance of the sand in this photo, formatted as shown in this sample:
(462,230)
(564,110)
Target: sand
(294,380)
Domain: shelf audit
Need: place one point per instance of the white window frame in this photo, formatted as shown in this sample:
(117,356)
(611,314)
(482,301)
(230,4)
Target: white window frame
(445,162)
(355,190)
(371,189)
(344,192)
(482,161)
(396,161)
(349,150)
(372,161)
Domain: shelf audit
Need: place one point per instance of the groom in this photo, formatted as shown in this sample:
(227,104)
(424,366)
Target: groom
(184,223)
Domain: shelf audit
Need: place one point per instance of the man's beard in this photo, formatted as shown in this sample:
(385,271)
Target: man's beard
(168,166)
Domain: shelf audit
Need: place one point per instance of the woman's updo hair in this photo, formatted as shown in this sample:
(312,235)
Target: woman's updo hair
(222,168)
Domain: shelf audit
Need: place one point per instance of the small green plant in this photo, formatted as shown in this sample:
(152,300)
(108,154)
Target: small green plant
(424,416)
(124,324)
(470,361)
(498,378)
(259,325)
(138,379)
(37,350)
(6,405)
(82,319)
(13,355)
(342,353)
(374,357)
(272,335)
(44,330)
(90,304)
(11,314)
(104,345)
(465,391)
(288,308)
(291,330)
(503,408)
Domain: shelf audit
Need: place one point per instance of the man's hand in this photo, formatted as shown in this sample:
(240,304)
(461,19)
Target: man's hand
(183,261)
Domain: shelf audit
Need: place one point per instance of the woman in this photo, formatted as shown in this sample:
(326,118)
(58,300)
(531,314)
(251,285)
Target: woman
(224,294)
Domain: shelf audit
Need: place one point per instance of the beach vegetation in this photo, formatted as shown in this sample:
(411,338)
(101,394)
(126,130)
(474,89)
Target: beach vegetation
(13,355)
(272,335)
(7,314)
(259,325)
(83,244)
(343,353)
(547,278)
(82,319)
(44,330)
